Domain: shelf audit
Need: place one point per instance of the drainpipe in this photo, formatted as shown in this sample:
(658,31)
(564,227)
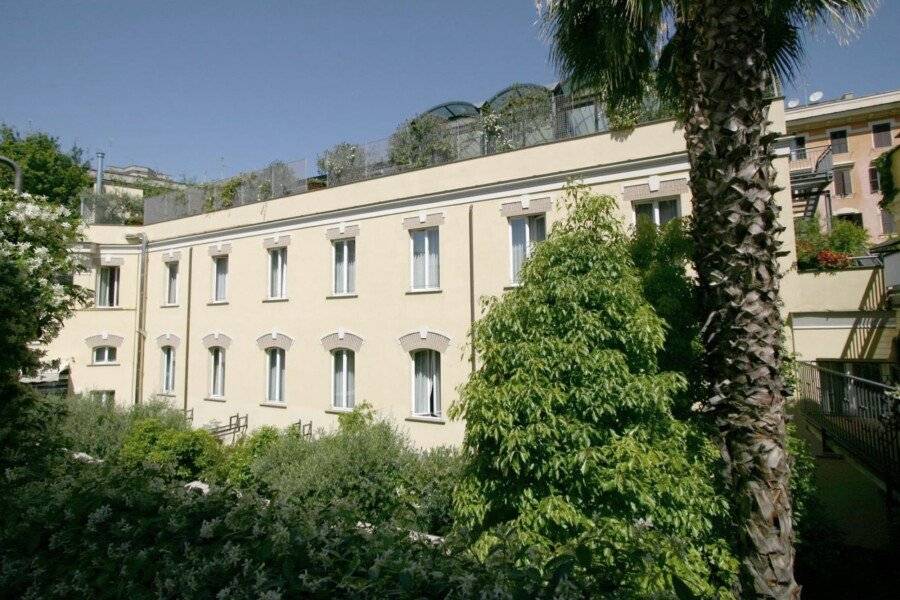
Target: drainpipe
(187,327)
(98,185)
(140,338)
(471,283)
(16,169)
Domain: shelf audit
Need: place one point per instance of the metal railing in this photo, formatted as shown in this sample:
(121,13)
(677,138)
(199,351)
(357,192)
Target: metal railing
(234,430)
(818,159)
(859,415)
(111,209)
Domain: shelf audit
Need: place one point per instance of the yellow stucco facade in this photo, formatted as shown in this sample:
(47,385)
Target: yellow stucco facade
(384,320)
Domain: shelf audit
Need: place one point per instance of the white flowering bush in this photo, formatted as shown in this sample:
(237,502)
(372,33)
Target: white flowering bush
(36,266)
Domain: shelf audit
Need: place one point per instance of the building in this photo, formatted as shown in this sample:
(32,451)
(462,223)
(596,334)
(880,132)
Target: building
(133,180)
(298,307)
(845,136)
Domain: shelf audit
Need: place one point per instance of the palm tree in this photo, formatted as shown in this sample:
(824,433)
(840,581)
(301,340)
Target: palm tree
(717,60)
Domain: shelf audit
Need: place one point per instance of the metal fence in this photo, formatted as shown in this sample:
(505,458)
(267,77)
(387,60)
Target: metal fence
(859,415)
(277,180)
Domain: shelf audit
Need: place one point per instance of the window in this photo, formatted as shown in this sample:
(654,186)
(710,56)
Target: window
(854,218)
(887,223)
(168,369)
(345,266)
(277,271)
(171,283)
(842,182)
(524,232)
(104,355)
(108,288)
(659,212)
(839,141)
(217,372)
(874,180)
(105,397)
(881,135)
(426,269)
(426,383)
(220,278)
(798,147)
(275,377)
(343,382)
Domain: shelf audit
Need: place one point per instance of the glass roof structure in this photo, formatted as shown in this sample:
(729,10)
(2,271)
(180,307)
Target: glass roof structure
(451,111)
(516,90)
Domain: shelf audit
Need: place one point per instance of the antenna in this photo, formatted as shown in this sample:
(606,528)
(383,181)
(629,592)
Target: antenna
(815,96)
(793,103)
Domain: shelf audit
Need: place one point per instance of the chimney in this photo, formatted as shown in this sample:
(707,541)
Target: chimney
(98,186)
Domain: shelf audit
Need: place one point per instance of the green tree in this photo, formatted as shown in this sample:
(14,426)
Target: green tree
(717,60)
(36,289)
(46,169)
(421,142)
(575,458)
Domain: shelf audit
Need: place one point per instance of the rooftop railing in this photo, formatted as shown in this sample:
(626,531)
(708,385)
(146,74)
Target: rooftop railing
(426,141)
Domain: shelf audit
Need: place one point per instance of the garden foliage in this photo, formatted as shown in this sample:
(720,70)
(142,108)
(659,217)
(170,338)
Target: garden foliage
(573,452)
(819,250)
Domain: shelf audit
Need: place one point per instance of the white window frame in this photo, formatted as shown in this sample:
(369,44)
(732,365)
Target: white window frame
(102,353)
(172,283)
(347,280)
(113,283)
(217,372)
(655,202)
(342,354)
(529,243)
(429,285)
(277,271)
(872,126)
(168,369)
(106,397)
(215,275)
(437,397)
(281,357)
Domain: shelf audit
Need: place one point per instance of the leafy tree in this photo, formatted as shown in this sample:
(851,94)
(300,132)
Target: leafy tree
(36,289)
(717,61)
(421,142)
(46,169)
(574,457)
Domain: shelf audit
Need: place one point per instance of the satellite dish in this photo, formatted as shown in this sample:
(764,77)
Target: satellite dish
(793,103)
(815,96)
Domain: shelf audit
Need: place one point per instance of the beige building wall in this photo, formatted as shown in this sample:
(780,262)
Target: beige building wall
(469,201)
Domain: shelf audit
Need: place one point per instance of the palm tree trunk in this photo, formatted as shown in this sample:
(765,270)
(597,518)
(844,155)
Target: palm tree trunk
(736,216)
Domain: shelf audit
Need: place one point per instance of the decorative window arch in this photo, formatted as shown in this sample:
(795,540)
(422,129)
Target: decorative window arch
(341,339)
(104,339)
(216,339)
(274,340)
(425,340)
(168,339)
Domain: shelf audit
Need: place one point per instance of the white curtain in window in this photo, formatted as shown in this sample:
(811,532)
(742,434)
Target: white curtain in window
(277,266)
(103,292)
(108,292)
(221,277)
(419,258)
(218,371)
(668,210)
(426,384)
(350,358)
(434,273)
(343,382)
(172,288)
(340,266)
(168,369)
(519,245)
(351,266)
(276,375)
(337,382)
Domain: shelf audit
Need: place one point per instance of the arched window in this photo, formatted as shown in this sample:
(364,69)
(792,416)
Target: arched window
(217,372)
(104,355)
(343,387)
(426,383)
(275,374)
(168,369)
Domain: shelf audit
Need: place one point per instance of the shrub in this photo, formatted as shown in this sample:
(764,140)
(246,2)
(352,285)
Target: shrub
(574,457)
(237,467)
(421,142)
(818,250)
(342,162)
(177,452)
(99,429)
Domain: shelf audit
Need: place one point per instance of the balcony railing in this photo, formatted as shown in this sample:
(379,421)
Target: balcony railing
(815,160)
(858,415)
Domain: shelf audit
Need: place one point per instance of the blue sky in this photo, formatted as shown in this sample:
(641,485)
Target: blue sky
(206,89)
